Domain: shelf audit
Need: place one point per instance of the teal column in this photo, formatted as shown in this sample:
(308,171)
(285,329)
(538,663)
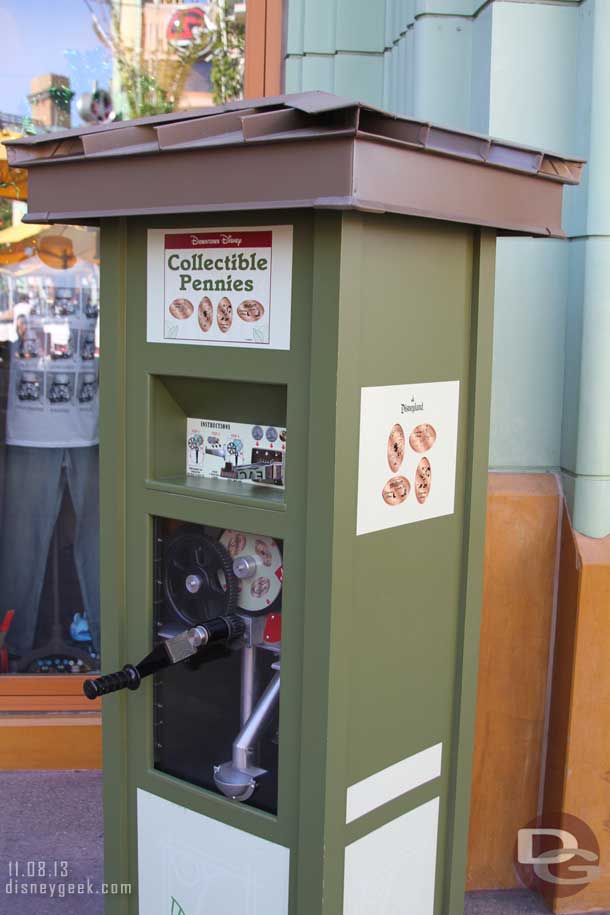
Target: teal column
(337,46)
(586,429)
(408,56)
(533,99)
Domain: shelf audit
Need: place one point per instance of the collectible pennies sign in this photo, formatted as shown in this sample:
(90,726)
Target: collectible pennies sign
(407,456)
(220,287)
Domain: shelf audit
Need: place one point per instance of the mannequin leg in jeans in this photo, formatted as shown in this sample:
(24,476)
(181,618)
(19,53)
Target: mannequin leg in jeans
(82,470)
(32,499)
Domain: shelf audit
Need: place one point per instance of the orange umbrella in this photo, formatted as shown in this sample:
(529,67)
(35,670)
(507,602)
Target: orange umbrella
(18,241)
(13,181)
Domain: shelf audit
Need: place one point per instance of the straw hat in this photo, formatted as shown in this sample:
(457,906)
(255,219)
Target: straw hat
(56,251)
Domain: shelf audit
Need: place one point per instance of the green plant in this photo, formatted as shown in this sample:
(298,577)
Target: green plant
(6,212)
(152,81)
(227,54)
(61,95)
(143,93)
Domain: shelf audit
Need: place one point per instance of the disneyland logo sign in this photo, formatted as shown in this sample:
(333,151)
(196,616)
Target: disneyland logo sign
(412,407)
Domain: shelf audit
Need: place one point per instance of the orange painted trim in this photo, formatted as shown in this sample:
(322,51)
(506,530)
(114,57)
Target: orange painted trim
(264,48)
(274,43)
(254,54)
(46,704)
(51,742)
(523,512)
(41,684)
(578,768)
(40,693)
(56,737)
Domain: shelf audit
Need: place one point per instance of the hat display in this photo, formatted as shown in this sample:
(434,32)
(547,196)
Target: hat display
(56,251)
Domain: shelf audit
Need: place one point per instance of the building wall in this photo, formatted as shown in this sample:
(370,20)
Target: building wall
(536,72)
(533,72)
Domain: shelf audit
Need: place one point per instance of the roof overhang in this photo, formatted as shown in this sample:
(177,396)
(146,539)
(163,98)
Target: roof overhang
(307,150)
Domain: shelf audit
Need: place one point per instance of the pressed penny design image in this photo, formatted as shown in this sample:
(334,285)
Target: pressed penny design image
(250,310)
(423,480)
(264,552)
(236,543)
(260,587)
(224,315)
(181,309)
(396,491)
(205,314)
(396,447)
(423,437)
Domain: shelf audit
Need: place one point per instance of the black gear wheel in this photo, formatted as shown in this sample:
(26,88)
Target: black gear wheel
(195,559)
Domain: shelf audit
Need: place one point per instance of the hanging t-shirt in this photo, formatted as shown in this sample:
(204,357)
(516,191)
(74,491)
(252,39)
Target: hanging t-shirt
(53,388)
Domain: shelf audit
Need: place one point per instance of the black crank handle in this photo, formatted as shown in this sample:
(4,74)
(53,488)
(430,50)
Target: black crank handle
(172,651)
(127,678)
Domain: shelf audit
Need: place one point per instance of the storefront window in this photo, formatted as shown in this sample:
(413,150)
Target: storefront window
(49,535)
(125,61)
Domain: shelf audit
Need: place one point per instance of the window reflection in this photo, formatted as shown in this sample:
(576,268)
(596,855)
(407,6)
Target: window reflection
(159,58)
(49,537)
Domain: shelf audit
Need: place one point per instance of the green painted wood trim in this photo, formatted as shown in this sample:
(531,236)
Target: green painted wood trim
(314,783)
(180,487)
(323,381)
(345,486)
(393,809)
(330,641)
(189,508)
(128,525)
(112,548)
(474,543)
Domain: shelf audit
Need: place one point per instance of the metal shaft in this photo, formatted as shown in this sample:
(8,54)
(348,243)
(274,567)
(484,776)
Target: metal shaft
(244,743)
(248,681)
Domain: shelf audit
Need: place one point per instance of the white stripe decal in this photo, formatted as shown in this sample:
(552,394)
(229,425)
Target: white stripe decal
(390,783)
(392,870)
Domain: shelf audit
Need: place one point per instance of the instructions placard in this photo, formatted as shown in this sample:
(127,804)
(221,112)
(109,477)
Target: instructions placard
(253,453)
(220,287)
(407,455)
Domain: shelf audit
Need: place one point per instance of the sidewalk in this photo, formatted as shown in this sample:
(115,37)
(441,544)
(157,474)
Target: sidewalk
(49,818)
(504,902)
(54,817)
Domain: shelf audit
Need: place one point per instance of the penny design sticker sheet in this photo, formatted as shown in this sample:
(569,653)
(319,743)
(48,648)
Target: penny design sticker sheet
(220,287)
(407,454)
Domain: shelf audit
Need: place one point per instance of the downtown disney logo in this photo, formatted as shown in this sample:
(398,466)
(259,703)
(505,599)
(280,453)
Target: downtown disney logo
(224,238)
(558,851)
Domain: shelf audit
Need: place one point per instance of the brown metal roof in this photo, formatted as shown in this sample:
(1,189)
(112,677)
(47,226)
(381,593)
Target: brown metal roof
(303,150)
